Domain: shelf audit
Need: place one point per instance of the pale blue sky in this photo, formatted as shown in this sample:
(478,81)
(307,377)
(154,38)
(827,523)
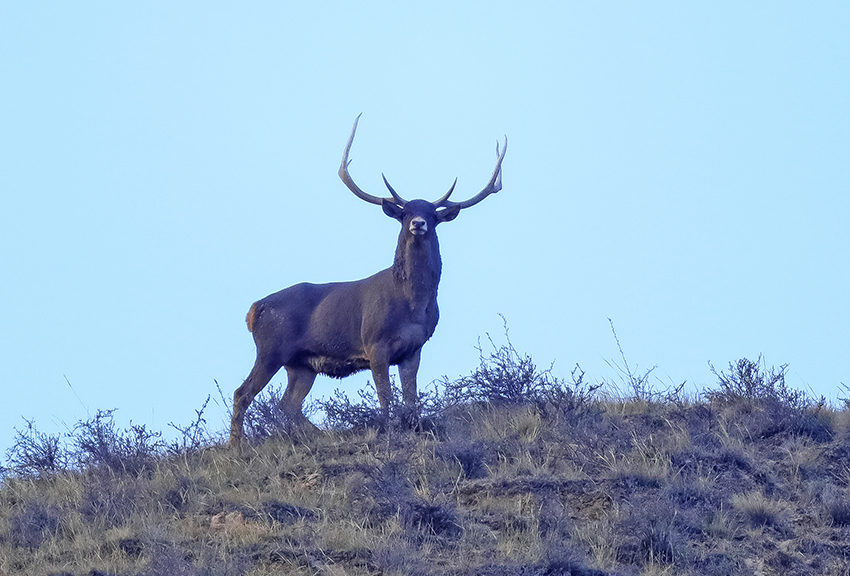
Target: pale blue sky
(681,168)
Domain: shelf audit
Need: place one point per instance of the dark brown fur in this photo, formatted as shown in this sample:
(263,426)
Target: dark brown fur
(341,328)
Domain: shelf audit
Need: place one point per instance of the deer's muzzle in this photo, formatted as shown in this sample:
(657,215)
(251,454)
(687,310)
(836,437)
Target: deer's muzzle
(418,226)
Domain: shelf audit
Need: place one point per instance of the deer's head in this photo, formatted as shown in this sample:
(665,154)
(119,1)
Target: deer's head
(420,217)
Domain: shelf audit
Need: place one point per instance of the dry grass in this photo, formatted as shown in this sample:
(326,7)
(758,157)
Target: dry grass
(558,484)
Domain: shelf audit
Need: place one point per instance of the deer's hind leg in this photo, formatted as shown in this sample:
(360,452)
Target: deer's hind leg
(244,395)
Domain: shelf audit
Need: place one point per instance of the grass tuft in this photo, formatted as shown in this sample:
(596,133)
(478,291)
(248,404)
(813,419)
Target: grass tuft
(516,472)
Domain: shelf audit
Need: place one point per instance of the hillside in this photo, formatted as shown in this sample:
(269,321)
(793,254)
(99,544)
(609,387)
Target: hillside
(514,472)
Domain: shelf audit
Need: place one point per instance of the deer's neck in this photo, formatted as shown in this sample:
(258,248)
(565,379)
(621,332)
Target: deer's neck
(417,269)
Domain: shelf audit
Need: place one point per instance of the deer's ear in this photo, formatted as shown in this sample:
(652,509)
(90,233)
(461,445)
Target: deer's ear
(392,209)
(448,214)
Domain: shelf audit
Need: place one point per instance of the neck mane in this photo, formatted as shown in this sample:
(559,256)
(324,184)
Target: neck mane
(417,268)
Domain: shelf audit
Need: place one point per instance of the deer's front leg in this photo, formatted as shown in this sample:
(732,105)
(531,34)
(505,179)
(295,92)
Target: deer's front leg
(381,376)
(407,370)
(380,365)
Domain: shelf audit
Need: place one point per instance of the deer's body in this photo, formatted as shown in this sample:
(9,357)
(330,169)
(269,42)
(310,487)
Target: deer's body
(341,328)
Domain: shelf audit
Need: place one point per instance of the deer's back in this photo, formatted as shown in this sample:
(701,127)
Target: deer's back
(331,327)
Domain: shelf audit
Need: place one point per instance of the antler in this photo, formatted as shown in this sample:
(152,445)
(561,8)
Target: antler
(445,197)
(346,177)
(492,187)
(399,200)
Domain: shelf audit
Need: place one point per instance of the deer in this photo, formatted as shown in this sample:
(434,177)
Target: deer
(340,328)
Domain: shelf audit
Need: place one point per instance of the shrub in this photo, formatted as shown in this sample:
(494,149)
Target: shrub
(576,398)
(93,443)
(506,376)
(341,413)
(752,381)
(194,436)
(98,443)
(771,405)
(265,418)
(503,377)
(641,389)
(35,453)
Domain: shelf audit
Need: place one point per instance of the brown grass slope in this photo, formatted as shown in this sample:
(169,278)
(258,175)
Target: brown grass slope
(515,473)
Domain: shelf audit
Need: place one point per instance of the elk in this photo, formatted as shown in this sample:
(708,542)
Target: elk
(341,328)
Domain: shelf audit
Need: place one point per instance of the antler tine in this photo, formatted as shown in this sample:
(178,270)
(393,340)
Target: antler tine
(442,201)
(492,187)
(346,177)
(399,200)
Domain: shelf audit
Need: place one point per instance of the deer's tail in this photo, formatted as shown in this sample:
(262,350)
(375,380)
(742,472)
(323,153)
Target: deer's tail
(251,318)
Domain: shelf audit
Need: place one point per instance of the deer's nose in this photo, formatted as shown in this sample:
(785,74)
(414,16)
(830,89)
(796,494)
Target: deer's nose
(418,225)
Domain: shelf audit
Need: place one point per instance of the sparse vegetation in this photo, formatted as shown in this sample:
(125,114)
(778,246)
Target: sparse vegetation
(514,471)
